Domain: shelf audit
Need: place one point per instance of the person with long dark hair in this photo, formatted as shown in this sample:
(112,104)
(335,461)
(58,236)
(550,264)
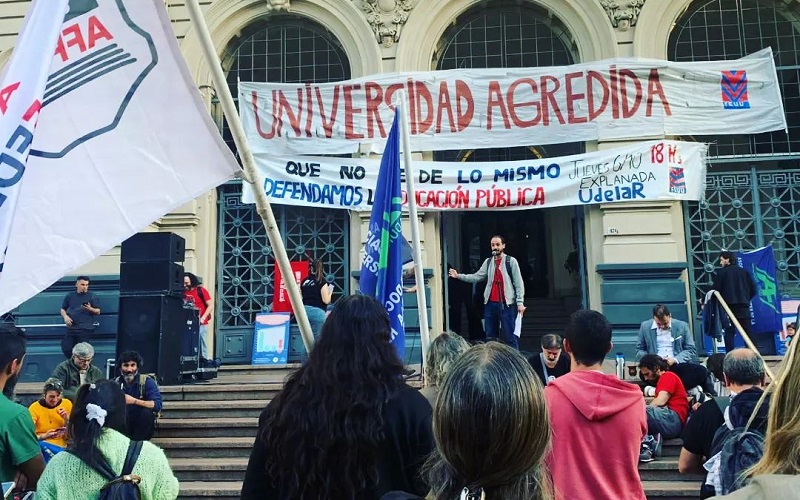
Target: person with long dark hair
(95,434)
(345,425)
(316,296)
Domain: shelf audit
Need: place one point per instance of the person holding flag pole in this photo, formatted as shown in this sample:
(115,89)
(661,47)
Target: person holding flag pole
(263,206)
(381,269)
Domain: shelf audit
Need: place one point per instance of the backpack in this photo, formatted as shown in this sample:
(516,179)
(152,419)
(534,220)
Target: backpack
(124,486)
(142,381)
(738,450)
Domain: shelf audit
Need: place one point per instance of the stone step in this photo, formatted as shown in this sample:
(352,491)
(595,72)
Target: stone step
(669,490)
(666,469)
(270,371)
(661,490)
(208,469)
(221,391)
(212,409)
(207,427)
(203,490)
(214,447)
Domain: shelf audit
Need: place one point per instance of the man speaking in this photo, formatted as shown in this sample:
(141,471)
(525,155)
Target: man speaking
(504,295)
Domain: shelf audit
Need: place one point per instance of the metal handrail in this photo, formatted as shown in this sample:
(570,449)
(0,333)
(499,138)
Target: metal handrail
(746,337)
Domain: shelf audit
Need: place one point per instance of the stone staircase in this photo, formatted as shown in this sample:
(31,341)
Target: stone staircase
(207,431)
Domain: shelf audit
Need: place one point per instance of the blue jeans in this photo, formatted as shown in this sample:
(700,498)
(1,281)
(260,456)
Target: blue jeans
(316,317)
(203,342)
(663,420)
(496,314)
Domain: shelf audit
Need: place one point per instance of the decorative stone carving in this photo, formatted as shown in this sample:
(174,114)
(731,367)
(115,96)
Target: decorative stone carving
(277,5)
(623,13)
(387,18)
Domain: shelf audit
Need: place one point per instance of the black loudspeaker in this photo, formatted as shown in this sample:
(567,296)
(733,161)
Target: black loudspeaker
(155,327)
(150,247)
(150,278)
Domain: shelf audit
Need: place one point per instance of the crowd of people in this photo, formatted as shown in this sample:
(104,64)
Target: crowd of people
(489,423)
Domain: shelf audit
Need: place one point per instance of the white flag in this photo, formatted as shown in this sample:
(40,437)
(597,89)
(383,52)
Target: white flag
(21,90)
(123,138)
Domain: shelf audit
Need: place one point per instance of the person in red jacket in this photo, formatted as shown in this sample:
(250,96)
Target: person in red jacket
(597,421)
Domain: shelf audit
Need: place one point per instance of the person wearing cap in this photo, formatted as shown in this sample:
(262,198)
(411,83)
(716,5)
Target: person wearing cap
(77,370)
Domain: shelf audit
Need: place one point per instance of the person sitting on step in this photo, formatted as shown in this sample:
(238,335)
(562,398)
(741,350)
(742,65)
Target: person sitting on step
(552,362)
(142,396)
(95,429)
(671,339)
(668,411)
(777,474)
(50,417)
(77,370)
(743,373)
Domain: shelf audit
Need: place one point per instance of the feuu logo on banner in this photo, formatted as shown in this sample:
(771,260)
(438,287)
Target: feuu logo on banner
(489,108)
(123,137)
(21,91)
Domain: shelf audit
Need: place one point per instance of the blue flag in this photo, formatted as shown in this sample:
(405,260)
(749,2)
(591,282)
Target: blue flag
(382,267)
(765,308)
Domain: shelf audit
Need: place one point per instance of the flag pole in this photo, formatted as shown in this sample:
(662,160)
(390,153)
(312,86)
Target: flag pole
(263,206)
(422,302)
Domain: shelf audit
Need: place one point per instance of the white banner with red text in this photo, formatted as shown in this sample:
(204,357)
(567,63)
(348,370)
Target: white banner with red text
(654,170)
(485,108)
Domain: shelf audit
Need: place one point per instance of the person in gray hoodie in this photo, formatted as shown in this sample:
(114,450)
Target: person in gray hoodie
(777,474)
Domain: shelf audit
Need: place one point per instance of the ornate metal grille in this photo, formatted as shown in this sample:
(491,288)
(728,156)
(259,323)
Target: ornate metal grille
(286,49)
(746,207)
(246,264)
(742,211)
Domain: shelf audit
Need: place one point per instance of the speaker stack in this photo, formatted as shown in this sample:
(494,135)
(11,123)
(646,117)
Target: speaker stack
(152,317)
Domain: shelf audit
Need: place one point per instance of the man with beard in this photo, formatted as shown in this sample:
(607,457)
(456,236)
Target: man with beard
(141,395)
(21,459)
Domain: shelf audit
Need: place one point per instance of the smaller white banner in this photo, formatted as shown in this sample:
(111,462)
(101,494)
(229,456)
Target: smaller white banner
(655,170)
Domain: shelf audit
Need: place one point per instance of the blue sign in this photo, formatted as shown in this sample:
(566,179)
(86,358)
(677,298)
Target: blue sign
(765,308)
(271,339)
(382,267)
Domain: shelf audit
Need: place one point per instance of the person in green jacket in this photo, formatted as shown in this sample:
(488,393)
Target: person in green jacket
(21,460)
(78,370)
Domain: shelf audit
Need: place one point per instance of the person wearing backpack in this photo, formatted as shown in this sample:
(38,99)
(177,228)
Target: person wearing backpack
(142,397)
(743,370)
(504,294)
(99,455)
(198,295)
(777,474)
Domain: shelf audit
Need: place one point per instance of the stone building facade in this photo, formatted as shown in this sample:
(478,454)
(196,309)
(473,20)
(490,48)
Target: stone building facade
(618,258)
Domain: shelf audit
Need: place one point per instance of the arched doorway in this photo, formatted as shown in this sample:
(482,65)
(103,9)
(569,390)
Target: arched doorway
(291,49)
(753,195)
(507,34)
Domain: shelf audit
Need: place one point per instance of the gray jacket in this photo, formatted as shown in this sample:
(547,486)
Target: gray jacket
(484,273)
(682,341)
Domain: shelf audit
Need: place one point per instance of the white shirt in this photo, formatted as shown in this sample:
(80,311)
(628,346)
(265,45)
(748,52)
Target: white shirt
(665,344)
